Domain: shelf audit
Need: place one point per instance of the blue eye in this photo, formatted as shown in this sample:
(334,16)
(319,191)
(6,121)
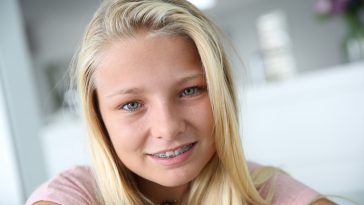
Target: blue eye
(131,106)
(190,91)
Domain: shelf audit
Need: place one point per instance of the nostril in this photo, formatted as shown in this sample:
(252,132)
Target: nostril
(169,131)
(166,121)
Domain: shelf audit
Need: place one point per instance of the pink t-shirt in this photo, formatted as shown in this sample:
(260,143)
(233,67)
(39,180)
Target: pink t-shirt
(77,186)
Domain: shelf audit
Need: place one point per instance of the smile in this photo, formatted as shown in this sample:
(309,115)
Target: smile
(174,153)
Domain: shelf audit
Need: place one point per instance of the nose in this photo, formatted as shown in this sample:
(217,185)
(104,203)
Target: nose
(166,121)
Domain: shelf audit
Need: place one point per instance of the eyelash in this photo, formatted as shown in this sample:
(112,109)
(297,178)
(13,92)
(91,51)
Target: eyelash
(126,108)
(196,90)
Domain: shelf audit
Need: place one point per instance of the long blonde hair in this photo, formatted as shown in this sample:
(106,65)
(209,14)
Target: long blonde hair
(226,178)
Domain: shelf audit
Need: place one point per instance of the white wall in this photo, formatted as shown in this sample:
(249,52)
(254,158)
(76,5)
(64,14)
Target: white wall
(316,44)
(54,31)
(19,94)
(10,186)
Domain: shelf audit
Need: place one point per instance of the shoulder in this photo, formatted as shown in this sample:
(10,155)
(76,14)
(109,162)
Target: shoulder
(286,189)
(73,186)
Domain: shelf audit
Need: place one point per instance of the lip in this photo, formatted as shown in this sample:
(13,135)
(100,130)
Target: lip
(172,149)
(174,161)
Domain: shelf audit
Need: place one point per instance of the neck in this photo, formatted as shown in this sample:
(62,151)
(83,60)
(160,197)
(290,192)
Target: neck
(158,193)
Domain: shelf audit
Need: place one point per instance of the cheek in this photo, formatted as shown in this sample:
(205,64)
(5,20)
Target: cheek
(125,137)
(205,118)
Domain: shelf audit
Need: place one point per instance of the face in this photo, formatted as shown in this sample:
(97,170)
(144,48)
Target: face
(155,106)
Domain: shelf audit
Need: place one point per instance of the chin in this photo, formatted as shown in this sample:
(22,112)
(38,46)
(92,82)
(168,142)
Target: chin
(177,179)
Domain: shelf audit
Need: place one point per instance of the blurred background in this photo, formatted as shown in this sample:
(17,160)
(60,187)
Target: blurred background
(300,83)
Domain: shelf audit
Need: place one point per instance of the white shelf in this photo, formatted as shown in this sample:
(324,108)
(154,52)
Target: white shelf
(311,126)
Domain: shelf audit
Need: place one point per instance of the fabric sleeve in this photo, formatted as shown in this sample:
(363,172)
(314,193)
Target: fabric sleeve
(290,191)
(74,186)
(287,190)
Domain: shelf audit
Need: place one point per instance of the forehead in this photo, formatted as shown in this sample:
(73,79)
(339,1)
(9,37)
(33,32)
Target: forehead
(146,50)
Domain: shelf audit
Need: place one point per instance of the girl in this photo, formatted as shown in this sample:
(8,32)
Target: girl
(159,102)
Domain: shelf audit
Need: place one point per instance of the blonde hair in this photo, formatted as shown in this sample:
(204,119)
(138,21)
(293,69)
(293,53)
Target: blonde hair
(226,178)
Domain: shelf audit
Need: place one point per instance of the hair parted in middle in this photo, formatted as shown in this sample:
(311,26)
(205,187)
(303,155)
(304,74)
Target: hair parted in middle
(226,178)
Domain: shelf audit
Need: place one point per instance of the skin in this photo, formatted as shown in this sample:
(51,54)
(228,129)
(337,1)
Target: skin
(153,98)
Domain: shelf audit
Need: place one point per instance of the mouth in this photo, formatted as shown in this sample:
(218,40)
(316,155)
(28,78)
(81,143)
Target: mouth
(175,152)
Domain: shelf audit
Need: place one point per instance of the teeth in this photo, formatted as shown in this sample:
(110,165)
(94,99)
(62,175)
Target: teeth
(171,154)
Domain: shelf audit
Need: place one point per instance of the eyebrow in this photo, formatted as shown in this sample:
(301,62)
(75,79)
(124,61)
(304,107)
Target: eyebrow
(138,90)
(190,77)
(125,91)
